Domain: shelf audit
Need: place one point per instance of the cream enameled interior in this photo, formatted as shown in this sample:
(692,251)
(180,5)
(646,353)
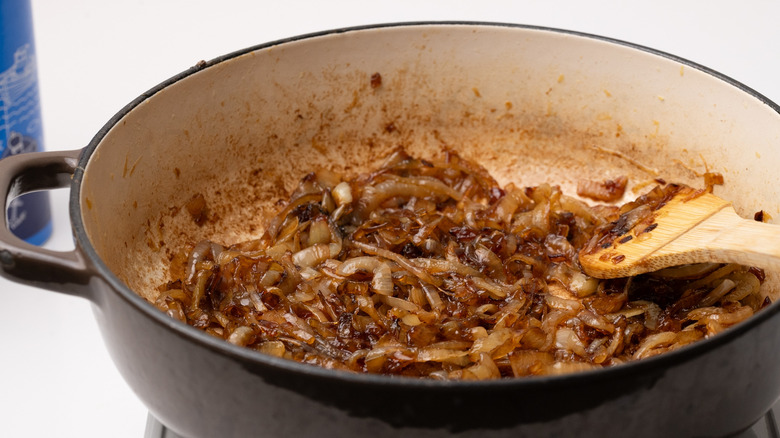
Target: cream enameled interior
(531,106)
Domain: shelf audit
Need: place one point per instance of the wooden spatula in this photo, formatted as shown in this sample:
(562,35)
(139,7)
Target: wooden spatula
(704,228)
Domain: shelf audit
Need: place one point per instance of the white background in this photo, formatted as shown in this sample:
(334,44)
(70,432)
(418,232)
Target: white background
(94,56)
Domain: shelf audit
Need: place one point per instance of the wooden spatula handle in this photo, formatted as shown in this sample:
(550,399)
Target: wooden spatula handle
(724,237)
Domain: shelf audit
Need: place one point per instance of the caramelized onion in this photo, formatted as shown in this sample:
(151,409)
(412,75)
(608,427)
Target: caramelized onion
(430,269)
(608,191)
(311,256)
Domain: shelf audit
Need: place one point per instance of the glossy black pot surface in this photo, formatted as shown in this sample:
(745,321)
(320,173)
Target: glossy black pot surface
(200,386)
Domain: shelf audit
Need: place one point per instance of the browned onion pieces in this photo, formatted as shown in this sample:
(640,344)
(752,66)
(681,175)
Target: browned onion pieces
(430,269)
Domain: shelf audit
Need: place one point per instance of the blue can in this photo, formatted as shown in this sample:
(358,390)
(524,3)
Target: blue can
(20,114)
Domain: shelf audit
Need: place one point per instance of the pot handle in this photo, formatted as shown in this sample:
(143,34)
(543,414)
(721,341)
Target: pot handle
(60,271)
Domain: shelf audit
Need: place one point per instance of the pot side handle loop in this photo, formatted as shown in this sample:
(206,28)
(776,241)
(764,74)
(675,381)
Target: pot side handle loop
(60,271)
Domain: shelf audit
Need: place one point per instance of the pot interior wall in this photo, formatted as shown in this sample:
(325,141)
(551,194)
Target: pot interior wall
(530,105)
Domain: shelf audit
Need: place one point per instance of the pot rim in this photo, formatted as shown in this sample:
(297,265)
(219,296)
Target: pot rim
(644,367)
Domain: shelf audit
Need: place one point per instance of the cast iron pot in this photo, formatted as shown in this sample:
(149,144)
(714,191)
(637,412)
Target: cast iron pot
(530,104)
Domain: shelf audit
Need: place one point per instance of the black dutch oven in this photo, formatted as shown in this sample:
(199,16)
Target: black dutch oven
(529,104)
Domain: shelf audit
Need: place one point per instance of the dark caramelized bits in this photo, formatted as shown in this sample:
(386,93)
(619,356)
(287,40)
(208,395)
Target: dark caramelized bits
(376,80)
(618,258)
(758,273)
(762,216)
(431,269)
(649,228)
(638,215)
